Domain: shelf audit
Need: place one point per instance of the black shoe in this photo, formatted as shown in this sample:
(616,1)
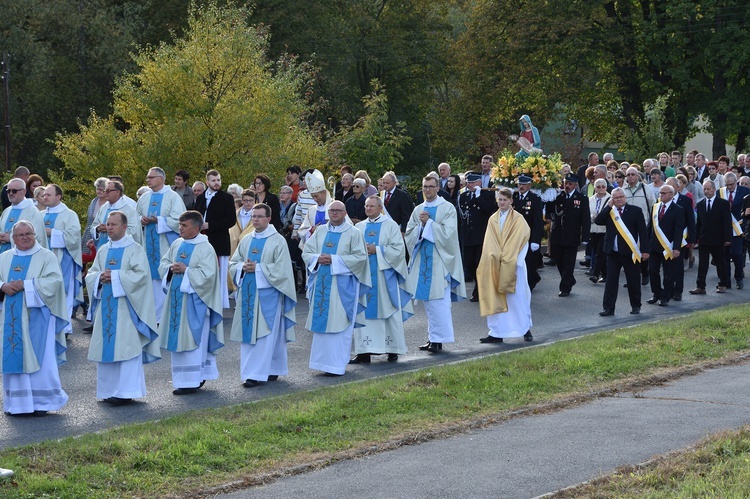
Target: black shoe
(474,299)
(551,262)
(528,336)
(185,391)
(435,347)
(426,346)
(88,329)
(677,297)
(602,279)
(202,383)
(273,377)
(361,358)
(607,313)
(635,310)
(645,280)
(249,383)
(392,357)
(652,300)
(490,339)
(663,303)
(117,401)
(625,285)
(585,263)
(594,279)
(563,294)
(332,375)
(589,272)
(740,284)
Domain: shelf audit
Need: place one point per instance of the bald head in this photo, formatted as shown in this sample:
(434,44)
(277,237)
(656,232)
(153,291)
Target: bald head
(336,213)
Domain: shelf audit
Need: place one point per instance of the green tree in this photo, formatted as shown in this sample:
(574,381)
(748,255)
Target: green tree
(209,100)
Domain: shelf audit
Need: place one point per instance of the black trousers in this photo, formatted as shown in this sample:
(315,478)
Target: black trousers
(533,260)
(705,255)
(599,259)
(656,262)
(566,264)
(735,254)
(615,262)
(472,254)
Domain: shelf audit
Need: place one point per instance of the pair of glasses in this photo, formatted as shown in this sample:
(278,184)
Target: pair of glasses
(13,191)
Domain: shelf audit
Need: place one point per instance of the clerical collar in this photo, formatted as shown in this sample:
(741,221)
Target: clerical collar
(270,231)
(164,189)
(375,220)
(23,204)
(57,209)
(200,238)
(29,251)
(244,213)
(123,242)
(339,228)
(435,202)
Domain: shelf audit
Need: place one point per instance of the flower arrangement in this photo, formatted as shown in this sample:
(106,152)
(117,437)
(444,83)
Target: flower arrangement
(543,170)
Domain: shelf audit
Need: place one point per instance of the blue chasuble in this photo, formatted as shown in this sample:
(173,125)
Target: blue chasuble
(108,306)
(426,249)
(196,308)
(152,246)
(268,296)
(323,283)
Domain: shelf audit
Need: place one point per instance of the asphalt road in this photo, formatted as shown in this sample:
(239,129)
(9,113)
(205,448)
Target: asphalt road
(554,319)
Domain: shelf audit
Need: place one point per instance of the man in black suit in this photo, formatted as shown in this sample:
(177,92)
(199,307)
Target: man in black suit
(397,202)
(714,229)
(687,206)
(571,223)
(700,167)
(665,228)
(217,208)
(529,205)
(626,245)
(476,206)
(735,195)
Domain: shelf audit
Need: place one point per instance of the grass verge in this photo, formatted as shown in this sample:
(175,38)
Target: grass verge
(717,467)
(202,449)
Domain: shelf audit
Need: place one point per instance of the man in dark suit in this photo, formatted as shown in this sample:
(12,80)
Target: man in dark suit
(687,206)
(700,167)
(626,237)
(529,205)
(217,208)
(397,202)
(571,223)
(735,194)
(665,229)
(476,206)
(714,229)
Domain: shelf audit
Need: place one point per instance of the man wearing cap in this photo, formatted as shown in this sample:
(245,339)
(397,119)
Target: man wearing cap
(436,275)
(529,205)
(571,222)
(316,215)
(336,258)
(476,207)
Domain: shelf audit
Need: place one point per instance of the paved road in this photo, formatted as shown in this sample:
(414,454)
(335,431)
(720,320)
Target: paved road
(554,318)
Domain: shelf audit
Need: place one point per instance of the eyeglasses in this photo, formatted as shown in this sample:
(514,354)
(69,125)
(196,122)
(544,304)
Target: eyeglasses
(110,190)
(257,183)
(13,191)
(600,186)
(149,177)
(429,187)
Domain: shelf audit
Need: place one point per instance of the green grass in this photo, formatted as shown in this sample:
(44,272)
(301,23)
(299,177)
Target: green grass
(719,467)
(205,448)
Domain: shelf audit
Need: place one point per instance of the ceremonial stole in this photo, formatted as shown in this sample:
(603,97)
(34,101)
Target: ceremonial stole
(249,288)
(103,237)
(15,216)
(736,228)
(153,248)
(426,250)
(109,306)
(13,352)
(49,223)
(323,282)
(665,243)
(372,236)
(622,229)
(184,252)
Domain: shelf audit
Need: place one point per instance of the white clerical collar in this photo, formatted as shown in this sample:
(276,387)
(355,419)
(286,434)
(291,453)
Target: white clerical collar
(339,228)
(200,238)
(164,189)
(57,209)
(247,213)
(435,202)
(28,252)
(270,230)
(123,242)
(375,220)
(23,204)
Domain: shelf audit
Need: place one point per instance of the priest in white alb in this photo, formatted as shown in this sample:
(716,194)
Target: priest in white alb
(191,325)
(264,317)
(388,304)
(159,210)
(33,317)
(21,208)
(336,259)
(114,193)
(124,337)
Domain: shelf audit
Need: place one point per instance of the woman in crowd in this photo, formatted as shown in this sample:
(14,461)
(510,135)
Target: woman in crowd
(370,189)
(597,202)
(32,183)
(293,179)
(263,194)
(345,192)
(39,198)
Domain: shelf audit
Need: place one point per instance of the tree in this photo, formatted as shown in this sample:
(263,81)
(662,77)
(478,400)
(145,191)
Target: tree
(211,99)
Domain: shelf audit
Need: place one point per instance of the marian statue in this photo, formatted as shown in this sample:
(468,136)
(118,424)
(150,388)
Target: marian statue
(529,140)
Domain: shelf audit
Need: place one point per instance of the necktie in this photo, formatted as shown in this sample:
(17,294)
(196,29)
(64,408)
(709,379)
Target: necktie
(661,211)
(731,197)
(619,210)
(708,205)
(387,198)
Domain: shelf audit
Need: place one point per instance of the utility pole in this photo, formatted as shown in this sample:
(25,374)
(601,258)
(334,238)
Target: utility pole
(6,104)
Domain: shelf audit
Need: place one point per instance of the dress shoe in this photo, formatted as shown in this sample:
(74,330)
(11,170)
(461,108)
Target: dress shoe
(589,272)
(528,336)
(607,313)
(563,294)
(677,297)
(635,310)
(88,329)
(594,279)
(697,291)
(490,339)
(361,358)
(625,285)
(392,357)
(435,347)
(249,383)
(117,401)
(551,262)
(185,391)
(273,377)
(332,375)
(645,280)
(663,303)
(602,279)
(721,289)
(585,263)
(740,284)
(652,300)
(426,346)
(474,299)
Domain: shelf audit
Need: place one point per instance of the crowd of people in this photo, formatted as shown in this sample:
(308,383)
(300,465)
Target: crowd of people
(159,270)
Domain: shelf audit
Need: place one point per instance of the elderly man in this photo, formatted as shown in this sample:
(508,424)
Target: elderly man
(336,257)
(159,209)
(33,316)
(316,215)
(397,202)
(475,206)
(714,229)
(266,299)
(21,173)
(21,208)
(436,274)
(122,301)
(444,170)
(115,202)
(388,305)
(63,230)
(571,224)
(191,324)
(666,231)
(735,194)
(639,194)
(198,189)
(688,236)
